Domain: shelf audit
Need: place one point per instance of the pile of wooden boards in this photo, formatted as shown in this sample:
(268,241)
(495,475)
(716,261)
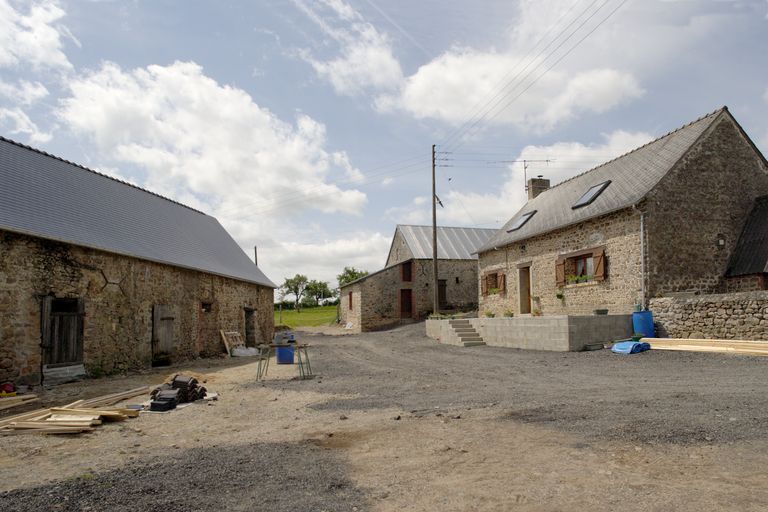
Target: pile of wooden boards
(14,401)
(744,347)
(75,418)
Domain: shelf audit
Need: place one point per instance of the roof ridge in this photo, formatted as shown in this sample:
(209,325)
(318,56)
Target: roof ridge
(439,227)
(50,155)
(724,108)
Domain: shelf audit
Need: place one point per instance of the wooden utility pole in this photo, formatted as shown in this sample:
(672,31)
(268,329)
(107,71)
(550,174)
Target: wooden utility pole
(435,295)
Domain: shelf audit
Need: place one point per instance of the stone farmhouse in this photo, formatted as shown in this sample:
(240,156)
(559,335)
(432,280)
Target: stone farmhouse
(679,225)
(102,276)
(401,292)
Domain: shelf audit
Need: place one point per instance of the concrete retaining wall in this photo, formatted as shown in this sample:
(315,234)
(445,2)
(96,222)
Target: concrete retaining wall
(555,333)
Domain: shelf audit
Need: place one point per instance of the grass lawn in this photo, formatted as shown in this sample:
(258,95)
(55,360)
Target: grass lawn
(322,315)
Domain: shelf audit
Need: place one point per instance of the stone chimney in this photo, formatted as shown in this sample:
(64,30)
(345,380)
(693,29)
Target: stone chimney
(536,186)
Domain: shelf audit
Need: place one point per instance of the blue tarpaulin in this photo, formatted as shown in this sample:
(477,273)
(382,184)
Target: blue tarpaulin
(630,347)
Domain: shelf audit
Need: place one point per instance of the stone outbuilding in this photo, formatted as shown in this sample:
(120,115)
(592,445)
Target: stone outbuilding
(100,276)
(684,215)
(401,292)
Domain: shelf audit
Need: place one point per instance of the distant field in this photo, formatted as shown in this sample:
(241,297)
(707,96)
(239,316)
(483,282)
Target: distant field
(323,315)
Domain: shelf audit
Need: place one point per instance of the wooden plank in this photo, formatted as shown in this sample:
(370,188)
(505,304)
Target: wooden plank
(110,415)
(46,425)
(24,416)
(52,430)
(114,398)
(15,403)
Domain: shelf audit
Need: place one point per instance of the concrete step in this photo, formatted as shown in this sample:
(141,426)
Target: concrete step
(458,330)
(459,323)
(470,338)
(473,343)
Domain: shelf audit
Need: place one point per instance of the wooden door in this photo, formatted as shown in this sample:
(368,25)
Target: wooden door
(442,296)
(162,332)
(525,290)
(62,325)
(406,303)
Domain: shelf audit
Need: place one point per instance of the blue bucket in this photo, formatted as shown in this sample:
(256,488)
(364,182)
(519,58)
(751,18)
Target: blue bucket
(642,322)
(284,355)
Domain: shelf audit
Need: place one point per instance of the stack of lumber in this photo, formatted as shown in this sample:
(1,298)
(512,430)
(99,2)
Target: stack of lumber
(75,418)
(14,401)
(745,347)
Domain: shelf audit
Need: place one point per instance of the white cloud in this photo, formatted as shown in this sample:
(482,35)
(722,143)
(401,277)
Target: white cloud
(321,259)
(210,146)
(453,85)
(493,208)
(32,37)
(24,92)
(366,61)
(16,122)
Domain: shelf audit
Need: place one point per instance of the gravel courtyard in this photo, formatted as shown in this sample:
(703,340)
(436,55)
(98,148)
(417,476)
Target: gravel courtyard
(396,421)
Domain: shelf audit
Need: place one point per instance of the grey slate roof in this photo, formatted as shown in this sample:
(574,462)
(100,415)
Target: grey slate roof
(47,197)
(452,243)
(632,176)
(751,253)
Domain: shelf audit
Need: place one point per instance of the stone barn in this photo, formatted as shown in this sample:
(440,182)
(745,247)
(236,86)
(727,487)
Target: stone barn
(100,276)
(682,216)
(401,292)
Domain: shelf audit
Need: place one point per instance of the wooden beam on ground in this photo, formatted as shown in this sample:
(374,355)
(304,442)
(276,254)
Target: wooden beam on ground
(744,347)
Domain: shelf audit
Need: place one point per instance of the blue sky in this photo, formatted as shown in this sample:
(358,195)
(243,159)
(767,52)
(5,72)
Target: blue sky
(305,127)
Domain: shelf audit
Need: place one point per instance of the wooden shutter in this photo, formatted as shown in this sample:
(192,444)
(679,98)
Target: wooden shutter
(599,263)
(560,271)
(484,285)
(502,283)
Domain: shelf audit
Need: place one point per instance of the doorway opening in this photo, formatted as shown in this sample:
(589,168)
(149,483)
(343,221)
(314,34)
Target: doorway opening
(62,326)
(524,274)
(162,334)
(406,303)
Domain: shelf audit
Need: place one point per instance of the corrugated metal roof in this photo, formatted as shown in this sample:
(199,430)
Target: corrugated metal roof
(452,243)
(632,176)
(751,253)
(48,197)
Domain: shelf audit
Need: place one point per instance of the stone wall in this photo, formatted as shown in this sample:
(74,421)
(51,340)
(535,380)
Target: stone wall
(379,293)
(739,316)
(706,197)
(399,251)
(118,293)
(618,232)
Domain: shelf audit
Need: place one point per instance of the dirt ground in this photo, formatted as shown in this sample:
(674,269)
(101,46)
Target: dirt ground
(395,421)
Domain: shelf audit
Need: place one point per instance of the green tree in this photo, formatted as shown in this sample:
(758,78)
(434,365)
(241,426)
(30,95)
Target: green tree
(350,274)
(295,286)
(318,290)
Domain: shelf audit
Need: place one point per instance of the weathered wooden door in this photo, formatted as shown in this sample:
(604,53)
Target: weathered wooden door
(525,290)
(162,332)
(62,326)
(442,296)
(406,303)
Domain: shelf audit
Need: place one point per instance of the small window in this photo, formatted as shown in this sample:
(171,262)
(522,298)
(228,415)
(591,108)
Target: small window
(581,267)
(520,222)
(350,300)
(591,194)
(206,307)
(406,271)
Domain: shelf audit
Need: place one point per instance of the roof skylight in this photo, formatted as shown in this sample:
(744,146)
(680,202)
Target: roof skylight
(521,221)
(591,194)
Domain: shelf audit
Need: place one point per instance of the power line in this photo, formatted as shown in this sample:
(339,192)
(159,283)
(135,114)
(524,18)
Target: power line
(496,103)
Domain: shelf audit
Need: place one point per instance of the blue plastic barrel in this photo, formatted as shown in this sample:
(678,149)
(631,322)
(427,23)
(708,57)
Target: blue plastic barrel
(642,322)
(284,355)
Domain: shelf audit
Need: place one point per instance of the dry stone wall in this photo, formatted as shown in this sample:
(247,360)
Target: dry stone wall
(618,232)
(399,251)
(118,293)
(740,316)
